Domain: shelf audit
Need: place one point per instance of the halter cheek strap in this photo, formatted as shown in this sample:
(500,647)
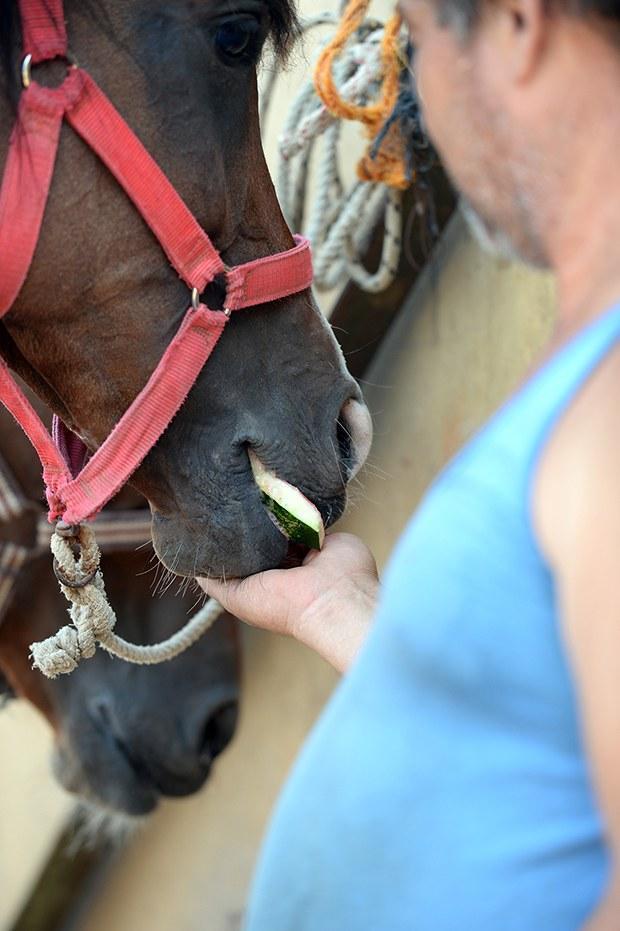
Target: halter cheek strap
(23,196)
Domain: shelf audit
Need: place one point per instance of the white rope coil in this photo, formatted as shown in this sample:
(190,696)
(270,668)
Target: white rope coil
(93,619)
(339,222)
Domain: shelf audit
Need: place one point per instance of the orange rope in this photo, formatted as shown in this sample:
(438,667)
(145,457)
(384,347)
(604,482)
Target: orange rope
(388,165)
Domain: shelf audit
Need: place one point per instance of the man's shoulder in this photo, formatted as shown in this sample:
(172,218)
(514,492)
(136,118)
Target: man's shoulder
(578,471)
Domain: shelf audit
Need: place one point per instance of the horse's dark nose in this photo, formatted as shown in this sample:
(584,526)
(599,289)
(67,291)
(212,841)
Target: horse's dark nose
(170,754)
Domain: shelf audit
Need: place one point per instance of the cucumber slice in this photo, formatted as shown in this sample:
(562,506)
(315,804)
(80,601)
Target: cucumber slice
(295,516)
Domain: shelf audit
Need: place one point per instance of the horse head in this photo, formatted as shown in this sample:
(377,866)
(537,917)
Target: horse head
(124,735)
(101,303)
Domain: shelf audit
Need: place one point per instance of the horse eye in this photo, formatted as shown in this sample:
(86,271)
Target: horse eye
(236,41)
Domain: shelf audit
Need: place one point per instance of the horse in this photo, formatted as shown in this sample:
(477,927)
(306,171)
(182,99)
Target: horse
(124,735)
(100,303)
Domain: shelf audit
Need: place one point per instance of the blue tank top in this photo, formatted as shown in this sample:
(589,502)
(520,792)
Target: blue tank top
(445,786)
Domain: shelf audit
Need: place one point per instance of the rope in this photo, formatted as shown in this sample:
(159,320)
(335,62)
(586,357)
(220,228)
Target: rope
(93,619)
(117,531)
(386,162)
(360,75)
(390,168)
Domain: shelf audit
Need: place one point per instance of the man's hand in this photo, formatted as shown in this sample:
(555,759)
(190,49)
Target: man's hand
(326,603)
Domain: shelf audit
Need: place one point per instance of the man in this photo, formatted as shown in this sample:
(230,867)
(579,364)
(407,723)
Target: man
(466,775)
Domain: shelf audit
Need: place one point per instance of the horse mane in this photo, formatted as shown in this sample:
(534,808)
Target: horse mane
(284,24)
(284,31)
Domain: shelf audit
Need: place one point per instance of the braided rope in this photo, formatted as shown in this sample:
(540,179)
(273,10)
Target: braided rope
(371,115)
(93,619)
(340,222)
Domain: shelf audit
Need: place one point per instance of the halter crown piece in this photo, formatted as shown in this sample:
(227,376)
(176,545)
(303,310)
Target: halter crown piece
(74,498)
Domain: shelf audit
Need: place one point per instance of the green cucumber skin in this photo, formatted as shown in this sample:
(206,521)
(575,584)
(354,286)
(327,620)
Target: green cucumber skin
(291,527)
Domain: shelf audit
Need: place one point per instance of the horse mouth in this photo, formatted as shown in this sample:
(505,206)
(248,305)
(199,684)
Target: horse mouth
(295,556)
(159,783)
(227,531)
(118,783)
(110,784)
(115,767)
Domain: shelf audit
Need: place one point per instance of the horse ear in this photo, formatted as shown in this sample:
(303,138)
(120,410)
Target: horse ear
(6,691)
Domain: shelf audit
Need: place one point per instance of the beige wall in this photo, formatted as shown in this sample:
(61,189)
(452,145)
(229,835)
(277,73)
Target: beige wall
(460,347)
(32,808)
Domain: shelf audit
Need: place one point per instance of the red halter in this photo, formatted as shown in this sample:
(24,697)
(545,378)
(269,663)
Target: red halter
(23,195)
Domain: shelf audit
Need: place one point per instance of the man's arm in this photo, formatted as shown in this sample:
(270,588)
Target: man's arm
(327,603)
(580,530)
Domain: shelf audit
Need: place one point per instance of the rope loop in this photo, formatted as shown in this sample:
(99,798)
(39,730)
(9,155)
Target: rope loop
(77,565)
(371,115)
(361,75)
(76,555)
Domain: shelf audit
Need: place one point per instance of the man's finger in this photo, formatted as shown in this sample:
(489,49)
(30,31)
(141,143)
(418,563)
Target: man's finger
(248,599)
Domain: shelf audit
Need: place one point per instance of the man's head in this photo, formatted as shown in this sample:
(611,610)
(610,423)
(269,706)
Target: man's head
(510,91)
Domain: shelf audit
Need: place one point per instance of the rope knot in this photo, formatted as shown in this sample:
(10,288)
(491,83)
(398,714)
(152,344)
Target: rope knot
(58,655)
(76,564)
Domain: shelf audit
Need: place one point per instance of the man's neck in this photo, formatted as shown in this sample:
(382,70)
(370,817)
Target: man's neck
(585,222)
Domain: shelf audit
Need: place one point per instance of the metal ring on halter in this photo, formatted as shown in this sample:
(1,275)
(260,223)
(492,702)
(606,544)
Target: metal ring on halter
(71,532)
(67,531)
(196,303)
(72,583)
(25,70)
(26,67)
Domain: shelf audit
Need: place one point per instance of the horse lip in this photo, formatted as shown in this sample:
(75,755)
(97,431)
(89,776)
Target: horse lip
(166,784)
(105,728)
(128,794)
(157,785)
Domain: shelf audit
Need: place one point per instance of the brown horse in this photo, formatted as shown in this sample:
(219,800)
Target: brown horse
(101,302)
(125,735)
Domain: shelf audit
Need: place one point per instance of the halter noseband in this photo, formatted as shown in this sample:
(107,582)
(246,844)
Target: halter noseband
(23,196)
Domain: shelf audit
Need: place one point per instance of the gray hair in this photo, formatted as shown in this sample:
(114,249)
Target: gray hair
(463,14)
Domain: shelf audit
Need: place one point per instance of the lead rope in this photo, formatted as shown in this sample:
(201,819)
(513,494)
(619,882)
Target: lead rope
(76,564)
(356,78)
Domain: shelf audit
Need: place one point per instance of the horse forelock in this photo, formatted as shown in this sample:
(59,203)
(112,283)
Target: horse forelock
(285,24)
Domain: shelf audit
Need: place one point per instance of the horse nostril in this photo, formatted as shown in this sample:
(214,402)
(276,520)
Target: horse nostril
(100,707)
(345,451)
(218,730)
(354,436)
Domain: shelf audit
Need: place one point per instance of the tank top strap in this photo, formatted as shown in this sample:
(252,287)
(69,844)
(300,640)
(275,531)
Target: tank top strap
(531,412)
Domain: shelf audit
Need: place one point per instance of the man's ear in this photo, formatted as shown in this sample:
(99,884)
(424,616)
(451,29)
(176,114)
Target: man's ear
(520,30)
